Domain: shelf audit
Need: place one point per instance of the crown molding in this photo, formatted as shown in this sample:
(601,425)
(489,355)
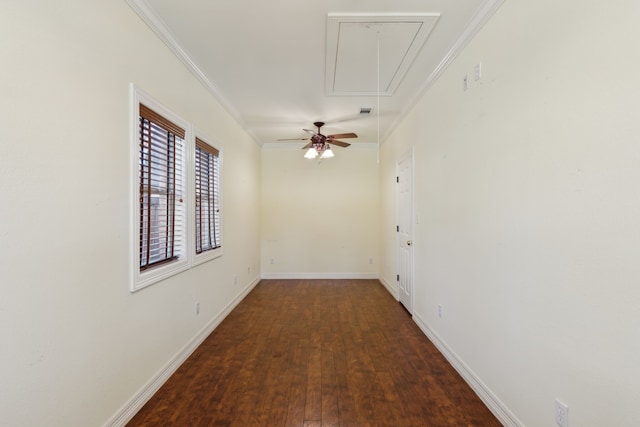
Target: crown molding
(157,25)
(479,19)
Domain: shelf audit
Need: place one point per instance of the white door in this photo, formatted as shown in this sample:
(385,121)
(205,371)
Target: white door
(404,189)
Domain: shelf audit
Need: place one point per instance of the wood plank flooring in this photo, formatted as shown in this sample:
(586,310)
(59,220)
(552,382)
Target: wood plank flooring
(316,353)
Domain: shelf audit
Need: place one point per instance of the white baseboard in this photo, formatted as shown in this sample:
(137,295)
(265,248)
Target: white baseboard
(392,289)
(137,401)
(495,405)
(327,276)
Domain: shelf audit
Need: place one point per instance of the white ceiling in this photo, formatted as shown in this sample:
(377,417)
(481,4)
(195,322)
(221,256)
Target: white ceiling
(279,66)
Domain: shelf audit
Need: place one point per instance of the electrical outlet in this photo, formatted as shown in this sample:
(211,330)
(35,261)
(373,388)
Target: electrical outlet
(271,261)
(562,414)
(440,311)
(235,279)
(197,307)
(370,260)
(465,82)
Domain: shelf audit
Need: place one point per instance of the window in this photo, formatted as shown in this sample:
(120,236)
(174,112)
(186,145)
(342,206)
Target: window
(160,187)
(207,195)
(160,194)
(176,217)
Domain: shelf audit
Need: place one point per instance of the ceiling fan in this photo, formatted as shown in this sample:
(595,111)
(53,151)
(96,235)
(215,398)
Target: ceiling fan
(320,144)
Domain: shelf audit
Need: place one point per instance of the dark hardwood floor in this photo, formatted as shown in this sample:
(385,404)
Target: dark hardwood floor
(316,353)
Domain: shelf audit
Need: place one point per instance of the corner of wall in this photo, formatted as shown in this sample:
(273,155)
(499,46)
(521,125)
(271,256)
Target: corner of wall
(495,405)
(138,400)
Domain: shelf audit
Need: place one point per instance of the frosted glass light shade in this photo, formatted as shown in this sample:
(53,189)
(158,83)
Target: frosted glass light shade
(311,153)
(328,153)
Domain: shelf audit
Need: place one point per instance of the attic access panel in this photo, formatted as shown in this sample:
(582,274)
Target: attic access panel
(352,50)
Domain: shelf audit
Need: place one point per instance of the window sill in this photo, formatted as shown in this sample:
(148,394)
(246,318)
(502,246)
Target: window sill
(142,279)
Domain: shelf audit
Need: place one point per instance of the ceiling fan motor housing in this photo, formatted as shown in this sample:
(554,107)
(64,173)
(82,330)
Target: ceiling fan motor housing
(318,140)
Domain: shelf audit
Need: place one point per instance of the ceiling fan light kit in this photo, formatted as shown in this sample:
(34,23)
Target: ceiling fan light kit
(324,151)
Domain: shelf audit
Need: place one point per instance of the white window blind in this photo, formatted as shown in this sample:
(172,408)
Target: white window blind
(161,163)
(207,189)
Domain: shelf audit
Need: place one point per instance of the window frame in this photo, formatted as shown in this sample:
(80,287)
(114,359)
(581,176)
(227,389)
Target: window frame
(156,273)
(199,258)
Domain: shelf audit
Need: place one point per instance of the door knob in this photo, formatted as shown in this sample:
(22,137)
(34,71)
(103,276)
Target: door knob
(409,242)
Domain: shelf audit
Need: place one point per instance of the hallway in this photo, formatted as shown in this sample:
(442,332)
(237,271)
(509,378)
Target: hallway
(316,353)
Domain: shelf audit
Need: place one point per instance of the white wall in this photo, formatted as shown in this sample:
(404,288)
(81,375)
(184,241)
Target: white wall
(526,186)
(320,219)
(76,344)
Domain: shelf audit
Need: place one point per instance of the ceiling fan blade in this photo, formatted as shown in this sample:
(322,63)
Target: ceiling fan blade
(312,132)
(343,135)
(338,143)
(293,139)
(306,147)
